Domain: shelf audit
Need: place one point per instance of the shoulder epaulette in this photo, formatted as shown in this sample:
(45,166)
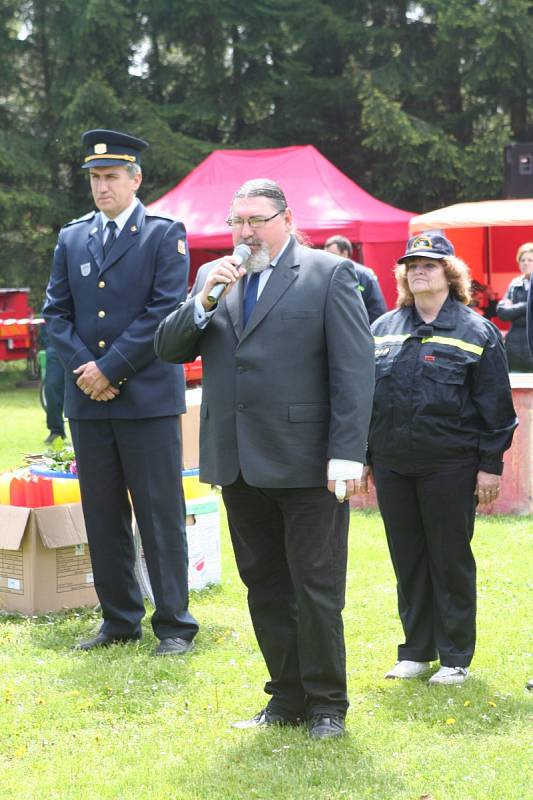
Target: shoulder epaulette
(160,215)
(85,218)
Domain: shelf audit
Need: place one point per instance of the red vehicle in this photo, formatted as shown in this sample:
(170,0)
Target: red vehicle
(193,372)
(18,333)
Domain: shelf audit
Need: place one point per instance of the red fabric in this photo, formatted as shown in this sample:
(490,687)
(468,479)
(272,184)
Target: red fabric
(382,258)
(323,200)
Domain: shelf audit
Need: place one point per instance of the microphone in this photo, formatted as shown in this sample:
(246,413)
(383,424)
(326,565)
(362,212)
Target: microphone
(241,253)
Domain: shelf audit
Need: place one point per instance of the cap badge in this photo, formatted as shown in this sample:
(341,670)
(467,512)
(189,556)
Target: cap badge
(421,241)
(100,148)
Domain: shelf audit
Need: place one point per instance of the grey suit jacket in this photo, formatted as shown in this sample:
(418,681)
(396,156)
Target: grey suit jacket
(294,388)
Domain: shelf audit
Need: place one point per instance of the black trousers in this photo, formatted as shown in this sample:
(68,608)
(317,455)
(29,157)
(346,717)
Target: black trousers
(142,457)
(291,551)
(54,390)
(429,521)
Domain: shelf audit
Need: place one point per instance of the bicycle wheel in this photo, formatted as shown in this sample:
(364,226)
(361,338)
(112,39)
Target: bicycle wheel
(42,395)
(141,570)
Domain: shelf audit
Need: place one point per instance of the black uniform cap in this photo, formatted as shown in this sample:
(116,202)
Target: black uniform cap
(111,148)
(430,244)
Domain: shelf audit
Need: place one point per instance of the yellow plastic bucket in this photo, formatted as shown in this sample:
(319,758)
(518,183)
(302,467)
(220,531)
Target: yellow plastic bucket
(65,490)
(192,487)
(5,481)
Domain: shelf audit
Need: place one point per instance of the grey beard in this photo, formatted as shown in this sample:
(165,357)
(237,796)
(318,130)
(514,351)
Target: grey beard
(258,261)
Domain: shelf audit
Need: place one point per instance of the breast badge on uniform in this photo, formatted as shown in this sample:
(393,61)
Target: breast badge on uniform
(85,269)
(182,249)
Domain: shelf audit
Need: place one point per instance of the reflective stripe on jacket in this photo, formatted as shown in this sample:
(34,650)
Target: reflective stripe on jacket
(442,391)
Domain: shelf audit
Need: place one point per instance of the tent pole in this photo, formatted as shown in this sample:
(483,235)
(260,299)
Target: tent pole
(489,255)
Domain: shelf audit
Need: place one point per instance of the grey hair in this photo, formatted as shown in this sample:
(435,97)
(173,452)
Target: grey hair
(263,187)
(133,170)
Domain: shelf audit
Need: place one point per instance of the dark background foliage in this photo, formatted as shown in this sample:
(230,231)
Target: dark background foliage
(413,101)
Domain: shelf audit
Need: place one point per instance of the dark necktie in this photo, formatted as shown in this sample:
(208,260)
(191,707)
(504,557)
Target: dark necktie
(111,237)
(250,296)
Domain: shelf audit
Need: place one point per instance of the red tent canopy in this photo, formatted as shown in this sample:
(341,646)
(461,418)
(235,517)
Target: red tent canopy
(323,200)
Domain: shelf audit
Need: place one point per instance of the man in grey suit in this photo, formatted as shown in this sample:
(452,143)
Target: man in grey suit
(286,399)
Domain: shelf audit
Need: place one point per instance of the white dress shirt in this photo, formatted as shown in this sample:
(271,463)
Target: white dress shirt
(120,220)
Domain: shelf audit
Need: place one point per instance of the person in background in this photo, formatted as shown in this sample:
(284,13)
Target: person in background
(442,418)
(513,308)
(286,399)
(54,391)
(368,283)
(116,274)
(529,324)
(529,328)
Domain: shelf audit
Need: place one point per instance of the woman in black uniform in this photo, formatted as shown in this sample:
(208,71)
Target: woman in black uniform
(442,418)
(513,309)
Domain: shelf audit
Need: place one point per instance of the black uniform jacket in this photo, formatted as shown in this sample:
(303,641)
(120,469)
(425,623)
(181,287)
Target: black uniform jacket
(107,310)
(530,318)
(370,292)
(513,309)
(442,391)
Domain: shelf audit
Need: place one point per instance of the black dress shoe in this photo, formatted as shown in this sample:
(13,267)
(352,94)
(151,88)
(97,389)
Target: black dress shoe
(102,640)
(326,726)
(266,717)
(52,436)
(173,647)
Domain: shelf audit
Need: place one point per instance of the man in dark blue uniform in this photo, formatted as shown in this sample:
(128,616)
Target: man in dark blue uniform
(116,274)
(368,283)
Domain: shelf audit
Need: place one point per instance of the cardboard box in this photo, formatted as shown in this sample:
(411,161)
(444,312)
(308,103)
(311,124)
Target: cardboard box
(44,559)
(190,429)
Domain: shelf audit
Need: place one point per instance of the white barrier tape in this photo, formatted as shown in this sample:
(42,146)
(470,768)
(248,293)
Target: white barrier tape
(25,321)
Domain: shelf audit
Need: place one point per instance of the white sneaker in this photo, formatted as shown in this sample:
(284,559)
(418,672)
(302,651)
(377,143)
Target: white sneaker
(408,669)
(447,675)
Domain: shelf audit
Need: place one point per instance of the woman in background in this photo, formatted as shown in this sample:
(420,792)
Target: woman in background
(513,309)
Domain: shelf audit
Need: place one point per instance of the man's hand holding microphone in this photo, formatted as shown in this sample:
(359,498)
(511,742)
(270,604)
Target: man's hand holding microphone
(224,276)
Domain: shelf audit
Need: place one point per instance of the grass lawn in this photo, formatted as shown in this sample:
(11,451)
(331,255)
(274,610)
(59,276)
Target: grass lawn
(122,725)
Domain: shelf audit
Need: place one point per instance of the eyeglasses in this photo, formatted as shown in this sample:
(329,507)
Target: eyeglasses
(253,222)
